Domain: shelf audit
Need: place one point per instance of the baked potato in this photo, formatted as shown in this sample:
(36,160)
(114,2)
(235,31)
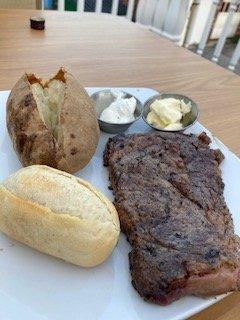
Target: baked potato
(53,123)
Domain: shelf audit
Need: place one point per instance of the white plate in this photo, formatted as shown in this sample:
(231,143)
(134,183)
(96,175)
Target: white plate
(35,286)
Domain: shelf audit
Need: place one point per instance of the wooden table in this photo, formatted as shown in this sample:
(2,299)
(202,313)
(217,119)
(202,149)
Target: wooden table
(106,50)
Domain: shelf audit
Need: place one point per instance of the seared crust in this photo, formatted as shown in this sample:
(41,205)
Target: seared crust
(169,196)
(85,238)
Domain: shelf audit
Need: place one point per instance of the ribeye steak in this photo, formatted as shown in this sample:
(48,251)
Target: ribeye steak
(169,195)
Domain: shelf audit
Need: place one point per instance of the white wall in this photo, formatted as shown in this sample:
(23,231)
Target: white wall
(166,17)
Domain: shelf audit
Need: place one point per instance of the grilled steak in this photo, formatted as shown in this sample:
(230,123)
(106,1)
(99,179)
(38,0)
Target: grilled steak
(169,196)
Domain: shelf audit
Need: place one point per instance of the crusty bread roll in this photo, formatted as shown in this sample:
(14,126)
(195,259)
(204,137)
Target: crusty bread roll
(58,214)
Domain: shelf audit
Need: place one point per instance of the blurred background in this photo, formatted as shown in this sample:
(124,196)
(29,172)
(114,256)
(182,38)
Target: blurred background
(210,28)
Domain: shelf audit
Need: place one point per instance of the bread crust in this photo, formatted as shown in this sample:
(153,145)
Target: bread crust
(85,241)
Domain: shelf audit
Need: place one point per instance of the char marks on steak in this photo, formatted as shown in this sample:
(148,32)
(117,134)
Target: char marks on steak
(169,195)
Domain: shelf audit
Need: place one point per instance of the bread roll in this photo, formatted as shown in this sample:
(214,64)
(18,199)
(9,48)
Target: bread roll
(58,214)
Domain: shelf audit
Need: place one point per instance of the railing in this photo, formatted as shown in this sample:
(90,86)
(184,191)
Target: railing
(98,7)
(168,18)
(173,20)
(233,7)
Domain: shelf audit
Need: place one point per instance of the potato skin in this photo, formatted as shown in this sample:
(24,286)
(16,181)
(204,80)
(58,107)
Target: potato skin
(79,125)
(34,143)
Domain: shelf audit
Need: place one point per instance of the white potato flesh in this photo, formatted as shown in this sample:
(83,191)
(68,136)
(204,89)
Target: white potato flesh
(49,101)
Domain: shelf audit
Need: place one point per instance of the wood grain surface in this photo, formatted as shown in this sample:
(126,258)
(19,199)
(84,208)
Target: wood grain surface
(20,4)
(104,50)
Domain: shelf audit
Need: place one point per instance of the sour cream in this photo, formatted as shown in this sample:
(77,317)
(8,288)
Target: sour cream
(121,110)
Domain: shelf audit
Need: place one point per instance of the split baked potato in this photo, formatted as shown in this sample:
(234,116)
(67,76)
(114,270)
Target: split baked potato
(53,123)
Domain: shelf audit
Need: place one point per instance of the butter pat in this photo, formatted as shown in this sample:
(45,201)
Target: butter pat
(155,121)
(174,126)
(185,107)
(167,113)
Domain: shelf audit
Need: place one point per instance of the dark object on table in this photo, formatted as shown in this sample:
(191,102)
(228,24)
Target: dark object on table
(169,196)
(37,23)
